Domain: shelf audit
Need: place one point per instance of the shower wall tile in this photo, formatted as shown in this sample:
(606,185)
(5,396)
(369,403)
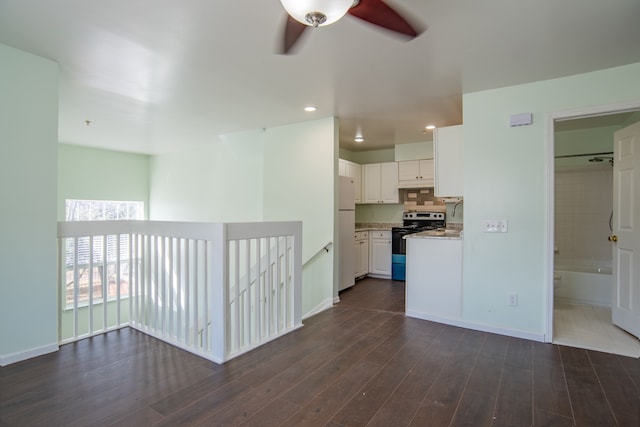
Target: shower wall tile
(583,203)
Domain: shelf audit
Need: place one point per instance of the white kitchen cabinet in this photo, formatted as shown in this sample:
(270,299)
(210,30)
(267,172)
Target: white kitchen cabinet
(380,183)
(352,170)
(362,253)
(380,254)
(447,149)
(415,173)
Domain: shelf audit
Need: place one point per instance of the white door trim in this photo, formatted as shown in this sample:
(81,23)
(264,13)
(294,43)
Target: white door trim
(549,149)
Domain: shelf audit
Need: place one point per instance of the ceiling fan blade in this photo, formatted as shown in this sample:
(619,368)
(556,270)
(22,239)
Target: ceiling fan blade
(379,13)
(292,32)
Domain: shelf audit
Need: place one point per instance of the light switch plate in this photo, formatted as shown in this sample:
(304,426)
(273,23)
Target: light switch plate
(495,226)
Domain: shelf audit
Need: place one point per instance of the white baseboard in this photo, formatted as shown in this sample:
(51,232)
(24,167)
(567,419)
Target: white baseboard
(336,300)
(516,333)
(8,359)
(324,305)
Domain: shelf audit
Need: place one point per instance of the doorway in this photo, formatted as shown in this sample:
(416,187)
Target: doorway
(580,144)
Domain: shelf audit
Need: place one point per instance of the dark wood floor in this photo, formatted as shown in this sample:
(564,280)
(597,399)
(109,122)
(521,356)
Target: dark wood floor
(359,363)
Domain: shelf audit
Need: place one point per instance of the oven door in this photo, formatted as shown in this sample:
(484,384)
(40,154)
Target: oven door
(398,244)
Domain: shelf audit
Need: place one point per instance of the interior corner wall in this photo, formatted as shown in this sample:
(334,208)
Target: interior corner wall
(216,182)
(95,174)
(28,172)
(505,178)
(300,163)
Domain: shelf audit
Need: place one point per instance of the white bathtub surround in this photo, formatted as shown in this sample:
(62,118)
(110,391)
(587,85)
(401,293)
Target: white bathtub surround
(590,327)
(583,204)
(583,284)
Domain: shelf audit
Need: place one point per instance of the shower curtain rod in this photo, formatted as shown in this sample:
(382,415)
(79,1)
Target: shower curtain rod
(582,155)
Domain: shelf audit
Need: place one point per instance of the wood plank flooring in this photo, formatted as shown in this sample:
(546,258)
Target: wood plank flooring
(361,363)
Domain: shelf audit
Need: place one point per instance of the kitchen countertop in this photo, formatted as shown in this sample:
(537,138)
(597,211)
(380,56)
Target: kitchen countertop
(373,226)
(437,234)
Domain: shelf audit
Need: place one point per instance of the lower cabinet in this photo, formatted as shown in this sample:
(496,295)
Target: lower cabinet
(380,254)
(361,266)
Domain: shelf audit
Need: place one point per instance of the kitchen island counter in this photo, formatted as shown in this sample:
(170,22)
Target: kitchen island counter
(436,234)
(434,276)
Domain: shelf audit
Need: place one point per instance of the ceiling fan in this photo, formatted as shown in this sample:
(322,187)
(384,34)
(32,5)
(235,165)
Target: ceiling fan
(317,13)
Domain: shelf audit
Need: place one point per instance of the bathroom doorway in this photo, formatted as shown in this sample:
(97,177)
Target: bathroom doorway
(582,254)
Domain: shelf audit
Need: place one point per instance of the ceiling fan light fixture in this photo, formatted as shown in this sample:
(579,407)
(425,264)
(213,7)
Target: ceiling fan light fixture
(315,13)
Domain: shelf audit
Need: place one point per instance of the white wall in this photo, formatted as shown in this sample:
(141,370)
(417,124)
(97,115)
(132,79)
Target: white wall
(279,174)
(28,168)
(300,168)
(505,178)
(217,182)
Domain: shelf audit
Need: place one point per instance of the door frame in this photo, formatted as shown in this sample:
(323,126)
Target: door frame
(549,148)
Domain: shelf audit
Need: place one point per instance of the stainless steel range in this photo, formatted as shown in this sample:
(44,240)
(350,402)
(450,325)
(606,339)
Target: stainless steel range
(412,222)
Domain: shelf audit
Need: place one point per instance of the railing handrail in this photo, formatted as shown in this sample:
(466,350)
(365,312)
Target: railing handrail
(167,258)
(318,252)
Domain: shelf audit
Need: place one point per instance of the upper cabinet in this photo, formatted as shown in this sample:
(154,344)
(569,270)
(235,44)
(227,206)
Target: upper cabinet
(447,149)
(380,183)
(415,173)
(352,170)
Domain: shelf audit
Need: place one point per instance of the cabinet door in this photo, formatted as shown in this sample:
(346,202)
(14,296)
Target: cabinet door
(354,170)
(389,182)
(409,170)
(358,252)
(380,256)
(342,167)
(426,172)
(362,257)
(447,147)
(371,183)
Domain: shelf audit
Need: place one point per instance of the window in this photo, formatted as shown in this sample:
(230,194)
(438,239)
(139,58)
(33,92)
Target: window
(97,258)
(102,210)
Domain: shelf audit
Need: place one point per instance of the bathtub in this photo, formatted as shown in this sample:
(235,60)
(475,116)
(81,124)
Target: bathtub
(583,284)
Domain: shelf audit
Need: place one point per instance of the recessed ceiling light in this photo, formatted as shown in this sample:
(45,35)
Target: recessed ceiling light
(310,108)
(430,127)
(358,139)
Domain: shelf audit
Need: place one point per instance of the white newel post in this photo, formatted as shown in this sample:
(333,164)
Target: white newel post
(219,292)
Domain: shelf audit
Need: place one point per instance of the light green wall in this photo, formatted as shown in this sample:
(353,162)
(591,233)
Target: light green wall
(28,152)
(346,154)
(300,163)
(379,213)
(66,322)
(505,178)
(374,156)
(414,151)
(217,182)
(95,174)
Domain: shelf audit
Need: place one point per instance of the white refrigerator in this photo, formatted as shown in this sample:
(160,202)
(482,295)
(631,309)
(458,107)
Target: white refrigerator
(346,232)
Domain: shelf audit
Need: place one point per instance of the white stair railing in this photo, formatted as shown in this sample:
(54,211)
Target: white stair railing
(217,290)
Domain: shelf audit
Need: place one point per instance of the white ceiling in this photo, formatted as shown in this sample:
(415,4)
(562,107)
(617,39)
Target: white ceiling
(157,75)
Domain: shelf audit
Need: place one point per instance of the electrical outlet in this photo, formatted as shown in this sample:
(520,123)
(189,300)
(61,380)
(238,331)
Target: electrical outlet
(513,299)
